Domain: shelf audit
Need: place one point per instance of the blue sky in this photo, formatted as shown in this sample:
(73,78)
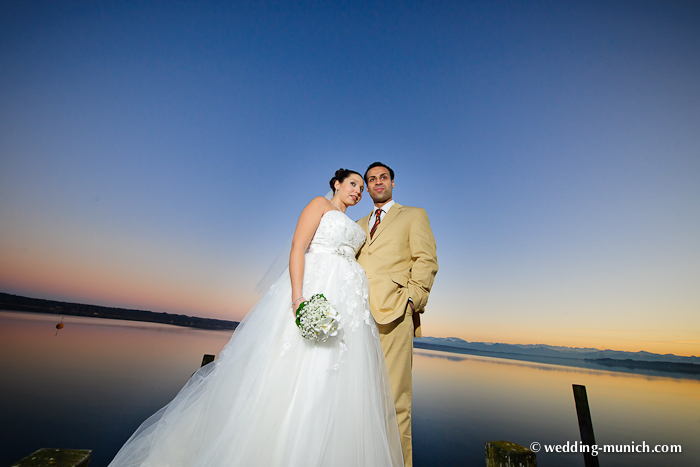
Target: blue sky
(157,156)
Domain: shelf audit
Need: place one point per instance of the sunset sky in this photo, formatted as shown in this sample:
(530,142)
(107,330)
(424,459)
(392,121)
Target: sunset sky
(156,156)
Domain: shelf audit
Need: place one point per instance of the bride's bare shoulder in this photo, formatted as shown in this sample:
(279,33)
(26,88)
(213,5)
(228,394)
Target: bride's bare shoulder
(320,200)
(317,207)
(321,203)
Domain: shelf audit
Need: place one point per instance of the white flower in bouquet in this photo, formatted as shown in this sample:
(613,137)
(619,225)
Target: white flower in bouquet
(318,319)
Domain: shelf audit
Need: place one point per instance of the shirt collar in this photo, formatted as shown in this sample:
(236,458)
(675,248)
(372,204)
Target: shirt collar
(386,207)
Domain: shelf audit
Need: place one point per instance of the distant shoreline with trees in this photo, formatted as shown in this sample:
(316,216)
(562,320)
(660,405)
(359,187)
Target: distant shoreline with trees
(632,362)
(11,302)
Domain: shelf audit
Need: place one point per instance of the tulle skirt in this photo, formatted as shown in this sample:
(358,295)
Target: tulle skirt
(273,398)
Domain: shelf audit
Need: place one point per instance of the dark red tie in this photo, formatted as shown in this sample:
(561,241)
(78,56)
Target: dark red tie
(376,223)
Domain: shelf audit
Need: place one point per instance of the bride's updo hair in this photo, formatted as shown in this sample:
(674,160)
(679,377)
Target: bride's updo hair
(340,175)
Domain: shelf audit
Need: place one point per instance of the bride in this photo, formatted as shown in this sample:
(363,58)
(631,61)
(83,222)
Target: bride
(273,398)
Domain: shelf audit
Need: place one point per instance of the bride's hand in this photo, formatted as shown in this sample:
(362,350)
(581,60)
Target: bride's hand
(296,304)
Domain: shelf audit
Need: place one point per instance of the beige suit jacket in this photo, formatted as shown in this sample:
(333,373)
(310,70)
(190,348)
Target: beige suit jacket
(400,261)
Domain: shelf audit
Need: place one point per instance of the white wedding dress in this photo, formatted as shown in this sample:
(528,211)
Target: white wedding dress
(273,398)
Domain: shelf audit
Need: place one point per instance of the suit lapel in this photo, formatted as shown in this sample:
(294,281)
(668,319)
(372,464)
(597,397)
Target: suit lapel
(390,216)
(364,222)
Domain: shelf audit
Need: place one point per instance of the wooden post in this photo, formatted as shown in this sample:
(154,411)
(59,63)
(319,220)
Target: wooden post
(207,359)
(585,425)
(507,454)
(56,458)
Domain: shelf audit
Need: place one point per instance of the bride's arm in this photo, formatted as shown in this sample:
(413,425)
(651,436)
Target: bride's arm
(306,227)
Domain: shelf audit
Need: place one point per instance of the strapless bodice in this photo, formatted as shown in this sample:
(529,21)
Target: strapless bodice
(337,234)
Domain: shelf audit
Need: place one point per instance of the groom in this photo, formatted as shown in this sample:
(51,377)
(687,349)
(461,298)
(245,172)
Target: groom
(400,260)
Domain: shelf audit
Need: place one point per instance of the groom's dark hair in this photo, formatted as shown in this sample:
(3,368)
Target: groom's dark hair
(378,164)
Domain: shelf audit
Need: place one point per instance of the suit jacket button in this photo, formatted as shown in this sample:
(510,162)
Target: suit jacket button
(369,253)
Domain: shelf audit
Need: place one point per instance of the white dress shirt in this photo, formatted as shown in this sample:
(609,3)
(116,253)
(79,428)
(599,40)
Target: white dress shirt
(384,209)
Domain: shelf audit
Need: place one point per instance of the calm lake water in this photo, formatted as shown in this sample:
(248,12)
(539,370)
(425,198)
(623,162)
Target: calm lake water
(91,386)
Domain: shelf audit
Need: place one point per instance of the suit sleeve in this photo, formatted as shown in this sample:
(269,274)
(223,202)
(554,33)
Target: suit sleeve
(425,266)
(362,222)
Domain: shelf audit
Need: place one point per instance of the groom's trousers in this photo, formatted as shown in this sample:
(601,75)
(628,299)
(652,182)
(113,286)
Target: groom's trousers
(397,343)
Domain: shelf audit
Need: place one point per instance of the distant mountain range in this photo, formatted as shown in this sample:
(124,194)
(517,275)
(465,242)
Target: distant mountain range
(615,360)
(541,350)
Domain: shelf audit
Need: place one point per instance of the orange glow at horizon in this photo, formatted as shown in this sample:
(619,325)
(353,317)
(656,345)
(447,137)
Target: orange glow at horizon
(101,286)
(132,276)
(59,276)
(628,341)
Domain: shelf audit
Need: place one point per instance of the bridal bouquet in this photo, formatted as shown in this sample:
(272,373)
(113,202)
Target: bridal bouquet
(318,319)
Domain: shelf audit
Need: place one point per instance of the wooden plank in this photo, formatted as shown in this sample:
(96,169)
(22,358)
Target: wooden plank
(207,359)
(585,424)
(46,457)
(507,454)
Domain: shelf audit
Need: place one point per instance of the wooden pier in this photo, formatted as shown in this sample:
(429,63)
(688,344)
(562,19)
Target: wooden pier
(46,457)
(507,454)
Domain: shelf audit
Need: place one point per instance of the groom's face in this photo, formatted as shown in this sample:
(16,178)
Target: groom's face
(379,184)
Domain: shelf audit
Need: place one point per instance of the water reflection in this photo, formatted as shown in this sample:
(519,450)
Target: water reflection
(94,383)
(460,403)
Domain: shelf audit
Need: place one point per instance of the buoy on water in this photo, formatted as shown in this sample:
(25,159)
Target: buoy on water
(59,326)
